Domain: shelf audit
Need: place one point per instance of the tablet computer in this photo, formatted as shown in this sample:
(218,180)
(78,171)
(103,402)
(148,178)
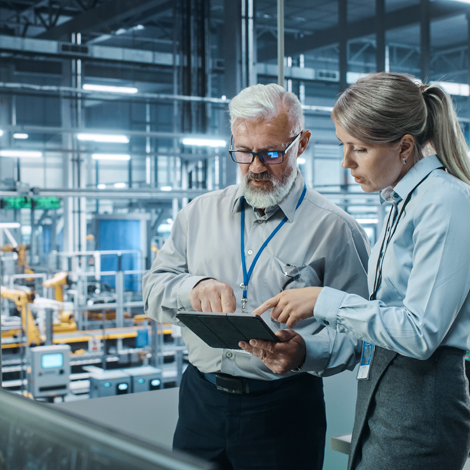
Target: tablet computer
(226,330)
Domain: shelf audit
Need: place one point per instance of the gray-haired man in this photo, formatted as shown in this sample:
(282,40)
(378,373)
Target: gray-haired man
(210,263)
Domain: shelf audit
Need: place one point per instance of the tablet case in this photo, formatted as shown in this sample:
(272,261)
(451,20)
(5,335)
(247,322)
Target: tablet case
(226,330)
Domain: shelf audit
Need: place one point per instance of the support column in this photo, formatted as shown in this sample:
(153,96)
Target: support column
(343,44)
(8,173)
(425,41)
(468,56)
(380,35)
(280,42)
(233,81)
(67,168)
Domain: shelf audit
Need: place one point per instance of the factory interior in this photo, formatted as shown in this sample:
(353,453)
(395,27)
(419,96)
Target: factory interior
(113,117)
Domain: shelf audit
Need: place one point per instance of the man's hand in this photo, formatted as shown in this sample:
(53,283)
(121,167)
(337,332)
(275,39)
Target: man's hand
(291,306)
(280,357)
(211,295)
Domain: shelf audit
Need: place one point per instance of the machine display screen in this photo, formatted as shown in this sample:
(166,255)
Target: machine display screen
(49,361)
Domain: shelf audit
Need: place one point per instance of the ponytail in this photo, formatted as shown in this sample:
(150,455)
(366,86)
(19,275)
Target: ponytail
(443,132)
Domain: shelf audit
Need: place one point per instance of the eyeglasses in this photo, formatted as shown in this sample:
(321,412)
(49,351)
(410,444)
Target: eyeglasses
(269,157)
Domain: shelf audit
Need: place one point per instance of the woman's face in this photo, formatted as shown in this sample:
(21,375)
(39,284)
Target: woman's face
(375,166)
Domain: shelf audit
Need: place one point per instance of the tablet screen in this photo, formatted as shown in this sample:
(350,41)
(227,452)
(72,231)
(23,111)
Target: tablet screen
(226,330)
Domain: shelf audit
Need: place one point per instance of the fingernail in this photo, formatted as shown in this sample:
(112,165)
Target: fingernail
(253,342)
(242,344)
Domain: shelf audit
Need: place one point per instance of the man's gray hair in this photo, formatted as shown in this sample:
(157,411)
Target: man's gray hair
(264,103)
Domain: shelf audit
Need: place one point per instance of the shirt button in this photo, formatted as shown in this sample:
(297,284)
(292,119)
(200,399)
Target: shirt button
(250,252)
(326,322)
(229,354)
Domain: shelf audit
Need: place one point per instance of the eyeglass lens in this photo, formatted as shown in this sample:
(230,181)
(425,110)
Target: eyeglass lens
(268,157)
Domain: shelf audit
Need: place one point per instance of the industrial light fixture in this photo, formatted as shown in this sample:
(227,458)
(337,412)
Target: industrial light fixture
(204,142)
(119,185)
(20,135)
(166,188)
(1,133)
(110,89)
(9,225)
(101,186)
(121,139)
(352,77)
(20,153)
(110,156)
(300,161)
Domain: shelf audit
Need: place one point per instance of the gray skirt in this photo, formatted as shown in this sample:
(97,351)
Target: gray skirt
(412,414)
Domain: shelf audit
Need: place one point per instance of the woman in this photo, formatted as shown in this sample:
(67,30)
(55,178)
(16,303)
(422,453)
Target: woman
(412,408)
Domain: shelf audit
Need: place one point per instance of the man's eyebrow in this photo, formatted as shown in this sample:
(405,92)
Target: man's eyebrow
(265,149)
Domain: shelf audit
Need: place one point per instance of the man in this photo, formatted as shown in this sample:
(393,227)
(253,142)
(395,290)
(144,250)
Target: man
(235,409)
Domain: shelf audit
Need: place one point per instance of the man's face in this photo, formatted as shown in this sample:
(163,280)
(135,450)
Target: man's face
(267,185)
(258,136)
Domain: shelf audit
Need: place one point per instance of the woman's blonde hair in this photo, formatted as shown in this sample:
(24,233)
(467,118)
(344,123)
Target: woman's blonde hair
(383,107)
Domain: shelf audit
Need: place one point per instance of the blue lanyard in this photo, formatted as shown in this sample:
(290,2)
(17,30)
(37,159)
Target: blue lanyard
(247,274)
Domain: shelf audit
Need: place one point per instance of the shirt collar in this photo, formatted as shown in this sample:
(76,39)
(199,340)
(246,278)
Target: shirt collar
(417,172)
(287,205)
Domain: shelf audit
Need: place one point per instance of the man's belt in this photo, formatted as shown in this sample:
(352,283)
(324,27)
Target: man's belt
(242,385)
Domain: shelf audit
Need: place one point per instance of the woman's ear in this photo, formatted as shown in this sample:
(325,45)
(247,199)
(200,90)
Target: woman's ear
(407,146)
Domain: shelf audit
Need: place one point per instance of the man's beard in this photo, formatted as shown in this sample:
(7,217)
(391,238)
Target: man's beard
(271,193)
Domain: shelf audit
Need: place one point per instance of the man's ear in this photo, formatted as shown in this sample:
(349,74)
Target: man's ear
(407,146)
(303,142)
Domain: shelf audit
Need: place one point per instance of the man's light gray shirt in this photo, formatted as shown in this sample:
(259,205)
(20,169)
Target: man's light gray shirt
(318,245)
(423,300)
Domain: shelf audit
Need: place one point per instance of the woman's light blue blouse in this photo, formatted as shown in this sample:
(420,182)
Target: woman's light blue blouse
(423,299)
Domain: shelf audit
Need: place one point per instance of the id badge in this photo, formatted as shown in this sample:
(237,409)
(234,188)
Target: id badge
(366,360)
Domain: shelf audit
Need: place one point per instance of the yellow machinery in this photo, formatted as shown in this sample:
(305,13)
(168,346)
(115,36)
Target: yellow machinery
(22,299)
(59,280)
(67,321)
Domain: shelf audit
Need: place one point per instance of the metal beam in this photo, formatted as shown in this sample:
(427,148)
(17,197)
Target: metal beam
(106,17)
(104,96)
(396,19)
(148,194)
(70,51)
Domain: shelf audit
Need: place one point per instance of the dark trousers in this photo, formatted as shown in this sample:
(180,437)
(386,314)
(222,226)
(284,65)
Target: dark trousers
(282,428)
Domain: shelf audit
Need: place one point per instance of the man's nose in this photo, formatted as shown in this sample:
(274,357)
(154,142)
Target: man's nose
(257,166)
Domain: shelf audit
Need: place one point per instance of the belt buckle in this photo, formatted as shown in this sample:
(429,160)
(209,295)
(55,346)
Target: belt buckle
(230,385)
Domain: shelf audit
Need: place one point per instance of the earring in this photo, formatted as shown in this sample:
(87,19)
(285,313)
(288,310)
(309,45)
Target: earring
(404,161)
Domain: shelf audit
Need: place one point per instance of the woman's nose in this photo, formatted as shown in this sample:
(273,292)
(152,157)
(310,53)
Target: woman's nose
(348,161)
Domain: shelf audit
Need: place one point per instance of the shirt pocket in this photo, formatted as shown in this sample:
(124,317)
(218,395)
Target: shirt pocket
(291,276)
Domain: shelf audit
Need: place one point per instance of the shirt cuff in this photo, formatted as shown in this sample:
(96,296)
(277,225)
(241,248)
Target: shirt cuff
(317,354)
(185,289)
(327,307)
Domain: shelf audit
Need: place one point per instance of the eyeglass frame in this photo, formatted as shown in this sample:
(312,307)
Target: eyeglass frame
(259,154)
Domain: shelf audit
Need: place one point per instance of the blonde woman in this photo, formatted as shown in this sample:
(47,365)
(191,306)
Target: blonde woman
(412,408)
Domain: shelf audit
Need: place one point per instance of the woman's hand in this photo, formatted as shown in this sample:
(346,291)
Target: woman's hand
(292,305)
